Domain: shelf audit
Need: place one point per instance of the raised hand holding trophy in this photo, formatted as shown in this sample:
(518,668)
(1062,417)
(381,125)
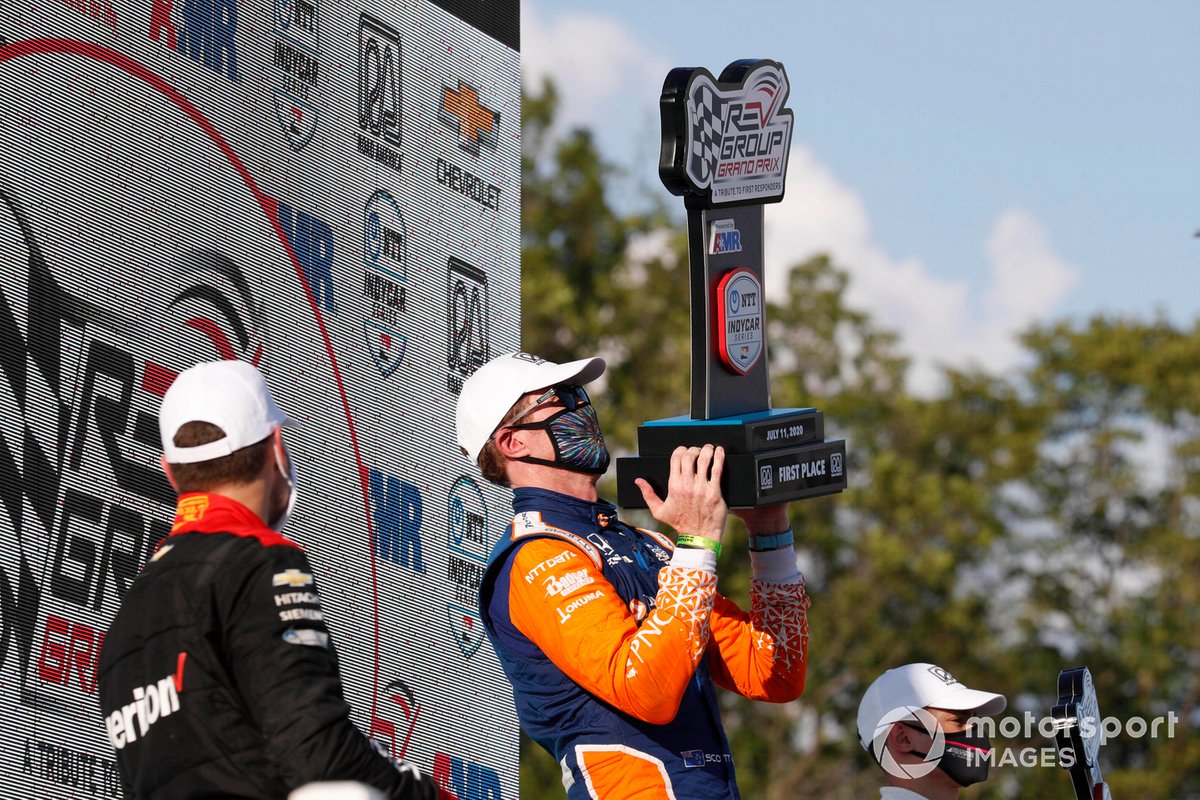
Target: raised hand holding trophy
(725,146)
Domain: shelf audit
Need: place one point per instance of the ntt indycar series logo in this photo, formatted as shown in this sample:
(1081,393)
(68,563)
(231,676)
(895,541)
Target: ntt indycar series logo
(739,134)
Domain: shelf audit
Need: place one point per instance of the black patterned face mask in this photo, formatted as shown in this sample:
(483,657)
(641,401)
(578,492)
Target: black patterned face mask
(574,433)
(966,757)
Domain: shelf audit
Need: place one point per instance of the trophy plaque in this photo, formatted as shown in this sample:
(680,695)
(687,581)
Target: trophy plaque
(725,145)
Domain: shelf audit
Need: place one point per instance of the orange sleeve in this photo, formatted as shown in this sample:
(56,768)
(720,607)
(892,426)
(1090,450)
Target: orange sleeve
(762,655)
(564,604)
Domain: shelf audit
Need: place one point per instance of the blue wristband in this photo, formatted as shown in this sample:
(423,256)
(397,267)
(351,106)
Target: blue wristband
(773,542)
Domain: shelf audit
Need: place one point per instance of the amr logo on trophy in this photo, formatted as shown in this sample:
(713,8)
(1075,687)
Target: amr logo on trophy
(725,144)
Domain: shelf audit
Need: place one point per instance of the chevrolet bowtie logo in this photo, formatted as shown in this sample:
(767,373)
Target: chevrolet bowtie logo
(291,577)
(476,124)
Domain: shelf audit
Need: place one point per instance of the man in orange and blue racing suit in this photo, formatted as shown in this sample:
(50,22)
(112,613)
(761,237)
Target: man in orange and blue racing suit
(612,636)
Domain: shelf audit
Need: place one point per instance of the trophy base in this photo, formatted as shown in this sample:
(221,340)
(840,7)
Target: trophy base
(773,456)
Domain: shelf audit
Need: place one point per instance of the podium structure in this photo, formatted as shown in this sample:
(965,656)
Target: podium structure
(724,149)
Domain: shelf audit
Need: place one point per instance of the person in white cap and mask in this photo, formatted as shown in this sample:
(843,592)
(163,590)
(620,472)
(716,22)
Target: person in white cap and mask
(914,721)
(614,637)
(217,676)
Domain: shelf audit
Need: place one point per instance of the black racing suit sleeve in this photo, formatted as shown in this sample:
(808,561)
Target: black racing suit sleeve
(286,672)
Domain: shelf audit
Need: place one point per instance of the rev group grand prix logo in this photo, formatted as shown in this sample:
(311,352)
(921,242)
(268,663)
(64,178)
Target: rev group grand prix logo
(83,501)
(739,134)
(296,59)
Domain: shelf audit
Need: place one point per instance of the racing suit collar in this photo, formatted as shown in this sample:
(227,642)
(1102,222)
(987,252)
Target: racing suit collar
(206,512)
(599,514)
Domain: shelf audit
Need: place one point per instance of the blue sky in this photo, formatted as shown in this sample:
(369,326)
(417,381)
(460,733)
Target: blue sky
(975,166)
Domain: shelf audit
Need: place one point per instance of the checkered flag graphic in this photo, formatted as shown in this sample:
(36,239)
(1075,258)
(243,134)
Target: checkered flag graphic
(707,109)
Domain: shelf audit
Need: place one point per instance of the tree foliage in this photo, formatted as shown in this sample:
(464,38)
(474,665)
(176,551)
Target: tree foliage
(1010,527)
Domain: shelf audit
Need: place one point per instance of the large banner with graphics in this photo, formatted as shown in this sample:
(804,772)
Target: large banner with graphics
(329,190)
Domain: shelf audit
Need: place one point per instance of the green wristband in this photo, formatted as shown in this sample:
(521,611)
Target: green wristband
(698,542)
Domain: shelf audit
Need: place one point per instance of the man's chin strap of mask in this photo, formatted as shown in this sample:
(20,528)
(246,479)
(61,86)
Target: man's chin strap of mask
(965,759)
(289,475)
(576,438)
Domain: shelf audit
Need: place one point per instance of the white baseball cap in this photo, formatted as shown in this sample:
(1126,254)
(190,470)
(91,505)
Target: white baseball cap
(232,395)
(336,790)
(919,686)
(489,394)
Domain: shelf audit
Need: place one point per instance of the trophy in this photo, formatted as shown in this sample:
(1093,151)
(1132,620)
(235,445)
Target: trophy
(1077,733)
(725,147)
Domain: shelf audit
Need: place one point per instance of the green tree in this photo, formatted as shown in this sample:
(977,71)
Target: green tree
(1007,528)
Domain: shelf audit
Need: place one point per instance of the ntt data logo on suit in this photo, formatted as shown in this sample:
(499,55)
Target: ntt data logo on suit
(379,114)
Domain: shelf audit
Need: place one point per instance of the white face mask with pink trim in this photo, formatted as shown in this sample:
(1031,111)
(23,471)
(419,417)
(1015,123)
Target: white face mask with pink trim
(288,474)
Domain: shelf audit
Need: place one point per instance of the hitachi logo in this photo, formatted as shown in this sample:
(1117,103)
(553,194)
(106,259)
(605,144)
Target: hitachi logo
(150,704)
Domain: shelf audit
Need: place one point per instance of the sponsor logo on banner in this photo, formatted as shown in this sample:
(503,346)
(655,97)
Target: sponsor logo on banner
(398,512)
(739,135)
(70,653)
(468,545)
(379,111)
(474,126)
(739,320)
(395,718)
(203,30)
(296,60)
(385,281)
(766,477)
(726,238)
(474,123)
(466,779)
(67,766)
(468,317)
(311,240)
(468,184)
(80,428)
(99,10)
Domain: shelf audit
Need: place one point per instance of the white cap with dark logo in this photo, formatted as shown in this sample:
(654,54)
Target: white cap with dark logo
(232,395)
(489,393)
(919,686)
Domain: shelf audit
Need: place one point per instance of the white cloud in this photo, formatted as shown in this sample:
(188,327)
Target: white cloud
(598,66)
(938,319)
(603,71)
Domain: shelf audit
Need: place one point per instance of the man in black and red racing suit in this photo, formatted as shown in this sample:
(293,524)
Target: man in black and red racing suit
(218,677)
